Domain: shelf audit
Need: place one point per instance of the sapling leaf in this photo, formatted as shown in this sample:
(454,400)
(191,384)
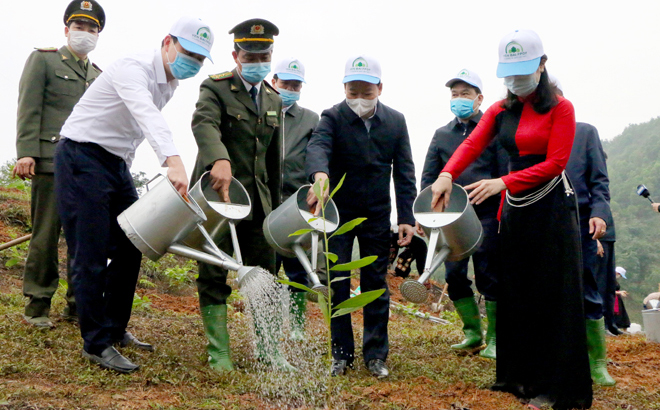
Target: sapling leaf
(11,262)
(361,300)
(348,226)
(341,182)
(333,257)
(310,220)
(295,285)
(360,263)
(342,312)
(317,191)
(323,305)
(301,232)
(339,278)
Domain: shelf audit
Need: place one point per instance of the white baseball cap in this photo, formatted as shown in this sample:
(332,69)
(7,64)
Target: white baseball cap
(362,68)
(194,35)
(520,53)
(290,69)
(621,271)
(466,76)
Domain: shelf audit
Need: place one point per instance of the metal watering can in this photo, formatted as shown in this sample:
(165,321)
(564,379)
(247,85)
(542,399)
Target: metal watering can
(291,216)
(454,234)
(163,221)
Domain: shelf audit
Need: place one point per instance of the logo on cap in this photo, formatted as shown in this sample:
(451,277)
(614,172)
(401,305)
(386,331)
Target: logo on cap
(514,49)
(257,29)
(86,5)
(294,65)
(203,35)
(360,63)
(464,73)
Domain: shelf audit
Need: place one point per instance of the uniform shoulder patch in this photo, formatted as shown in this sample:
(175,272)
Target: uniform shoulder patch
(269,85)
(46,49)
(97,68)
(221,76)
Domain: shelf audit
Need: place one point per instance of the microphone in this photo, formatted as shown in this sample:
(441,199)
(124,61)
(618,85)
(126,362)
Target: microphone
(643,191)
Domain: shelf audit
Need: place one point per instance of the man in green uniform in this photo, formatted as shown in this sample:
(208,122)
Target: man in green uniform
(237,129)
(52,83)
(298,123)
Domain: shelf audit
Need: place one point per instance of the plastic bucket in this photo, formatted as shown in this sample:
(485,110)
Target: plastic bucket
(651,320)
(160,218)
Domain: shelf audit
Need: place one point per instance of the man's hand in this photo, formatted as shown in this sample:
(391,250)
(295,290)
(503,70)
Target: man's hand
(419,230)
(655,206)
(484,189)
(24,168)
(221,178)
(601,251)
(597,226)
(176,173)
(312,201)
(622,293)
(406,233)
(441,189)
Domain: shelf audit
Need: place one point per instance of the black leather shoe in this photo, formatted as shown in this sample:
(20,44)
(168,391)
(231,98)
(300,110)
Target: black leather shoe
(615,331)
(339,367)
(111,359)
(378,368)
(130,340)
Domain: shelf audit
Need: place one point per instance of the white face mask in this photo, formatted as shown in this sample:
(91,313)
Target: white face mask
(362,106)
(521,85)
(82,42)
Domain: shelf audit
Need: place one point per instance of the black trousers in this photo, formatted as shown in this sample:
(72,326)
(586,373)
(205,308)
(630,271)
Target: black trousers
(485,262)
(606,280)
(593,302)
(92,188)
(373,238)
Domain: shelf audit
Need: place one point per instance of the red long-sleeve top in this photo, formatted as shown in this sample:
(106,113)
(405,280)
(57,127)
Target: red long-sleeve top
(522,132)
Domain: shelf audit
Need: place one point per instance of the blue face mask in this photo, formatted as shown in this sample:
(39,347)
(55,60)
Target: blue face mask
(462,107)
(255,72)
(184,66)
(288,97)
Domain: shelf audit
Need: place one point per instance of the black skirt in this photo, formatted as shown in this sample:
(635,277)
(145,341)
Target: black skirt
(541,331)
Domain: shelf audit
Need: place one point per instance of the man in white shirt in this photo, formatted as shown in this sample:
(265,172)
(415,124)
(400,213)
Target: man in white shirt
(93,183)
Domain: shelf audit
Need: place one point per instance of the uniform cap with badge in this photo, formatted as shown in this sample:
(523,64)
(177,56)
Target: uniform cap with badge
(90,11)
(194,35)
(290,69)
(255,35)
(362,68)
(466,76)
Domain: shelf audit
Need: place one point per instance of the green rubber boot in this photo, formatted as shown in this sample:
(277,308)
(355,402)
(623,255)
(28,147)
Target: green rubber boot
(490,352)
(297,309)
(215,327)
(268,340)
(598,353)
(469,312)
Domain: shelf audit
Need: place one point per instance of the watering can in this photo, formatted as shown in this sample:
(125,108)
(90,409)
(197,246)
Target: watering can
(454,234)
(163,221)
(294,215)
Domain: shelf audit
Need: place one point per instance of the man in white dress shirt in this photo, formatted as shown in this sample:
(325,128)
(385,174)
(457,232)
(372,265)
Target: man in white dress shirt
(93,183)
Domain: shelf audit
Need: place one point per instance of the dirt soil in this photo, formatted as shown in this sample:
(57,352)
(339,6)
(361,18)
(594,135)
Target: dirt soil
(633,362)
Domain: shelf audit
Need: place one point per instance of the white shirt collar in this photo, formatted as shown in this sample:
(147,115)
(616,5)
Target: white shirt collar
(161,77)
(248,86)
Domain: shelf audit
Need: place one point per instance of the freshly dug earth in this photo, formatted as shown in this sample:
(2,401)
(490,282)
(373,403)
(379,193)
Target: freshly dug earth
(42,369)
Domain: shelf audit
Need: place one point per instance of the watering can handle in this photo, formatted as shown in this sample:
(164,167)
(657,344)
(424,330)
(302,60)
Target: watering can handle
(153,179)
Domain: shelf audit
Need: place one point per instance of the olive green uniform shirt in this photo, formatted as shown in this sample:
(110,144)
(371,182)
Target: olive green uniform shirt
(227,125)
(51,85)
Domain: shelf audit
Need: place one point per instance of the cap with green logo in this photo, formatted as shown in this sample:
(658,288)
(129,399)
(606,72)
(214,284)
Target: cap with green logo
(466,76)
(520,53)
(290,69)
(362,68)
(194,35)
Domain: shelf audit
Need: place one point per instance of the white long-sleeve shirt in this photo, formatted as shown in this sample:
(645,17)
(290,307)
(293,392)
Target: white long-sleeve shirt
(123,106)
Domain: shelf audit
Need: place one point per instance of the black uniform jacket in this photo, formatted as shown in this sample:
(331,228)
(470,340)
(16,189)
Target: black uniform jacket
(342,145)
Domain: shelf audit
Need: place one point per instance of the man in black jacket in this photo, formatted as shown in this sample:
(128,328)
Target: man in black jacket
(367,141)
(466,97)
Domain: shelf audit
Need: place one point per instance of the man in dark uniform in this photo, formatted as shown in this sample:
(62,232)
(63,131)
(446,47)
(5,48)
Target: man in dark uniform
(368,142)
(52,83)
(466,98)
(298,123)
(237,128)
(587,171)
